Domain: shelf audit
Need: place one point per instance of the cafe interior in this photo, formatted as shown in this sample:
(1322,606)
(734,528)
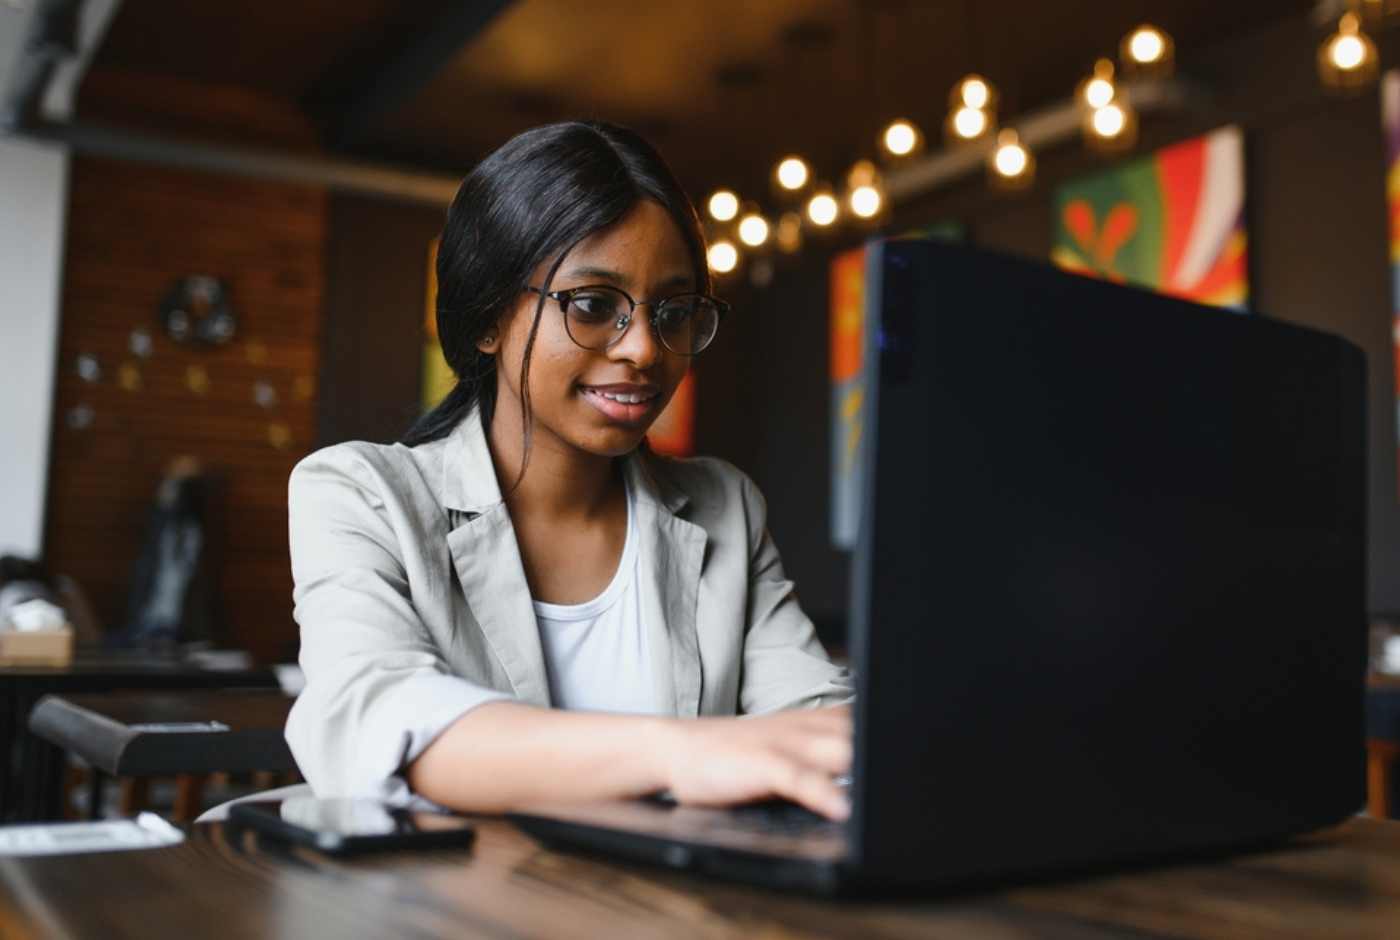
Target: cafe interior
(218,229)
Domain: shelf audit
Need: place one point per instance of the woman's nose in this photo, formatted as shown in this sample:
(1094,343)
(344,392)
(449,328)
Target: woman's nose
(639,344)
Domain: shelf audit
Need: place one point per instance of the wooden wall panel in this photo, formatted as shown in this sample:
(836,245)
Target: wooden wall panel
(132,231)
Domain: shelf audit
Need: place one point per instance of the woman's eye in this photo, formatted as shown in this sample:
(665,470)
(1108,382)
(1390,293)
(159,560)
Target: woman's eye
(597,307)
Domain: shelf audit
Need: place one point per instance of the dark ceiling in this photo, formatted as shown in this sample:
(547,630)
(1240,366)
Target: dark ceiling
(723,87)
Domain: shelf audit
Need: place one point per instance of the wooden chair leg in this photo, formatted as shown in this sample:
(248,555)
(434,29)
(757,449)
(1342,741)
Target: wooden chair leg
(189,797)
(1380,761)
(135,795)
(96,791)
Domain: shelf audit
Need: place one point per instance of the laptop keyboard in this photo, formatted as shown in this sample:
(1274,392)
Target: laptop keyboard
(779,818)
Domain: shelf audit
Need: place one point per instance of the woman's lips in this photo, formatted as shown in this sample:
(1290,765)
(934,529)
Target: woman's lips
(605,399)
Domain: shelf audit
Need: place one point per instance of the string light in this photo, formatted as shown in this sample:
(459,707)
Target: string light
(723,205)
(864,190)
(1011,165)
(792,173)
(1110,124)
(1347,60)
(753,229)
(974,92)
(1099,89)
(822,208)
(1147,52)
(1109,121)
(722,257)
(971,109)
(901,138)
(969,123)
(1112,128)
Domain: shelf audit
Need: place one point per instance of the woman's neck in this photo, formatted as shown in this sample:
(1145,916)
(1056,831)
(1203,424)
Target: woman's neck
(560,480)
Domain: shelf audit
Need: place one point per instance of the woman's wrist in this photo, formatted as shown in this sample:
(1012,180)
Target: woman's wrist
(665,738)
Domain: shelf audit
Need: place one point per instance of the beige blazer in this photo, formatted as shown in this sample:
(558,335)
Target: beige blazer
(413,605)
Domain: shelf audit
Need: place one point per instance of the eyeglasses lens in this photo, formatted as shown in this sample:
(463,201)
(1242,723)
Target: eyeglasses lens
(686,324)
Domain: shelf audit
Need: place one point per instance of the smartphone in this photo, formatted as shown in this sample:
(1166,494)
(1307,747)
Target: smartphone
(349,826)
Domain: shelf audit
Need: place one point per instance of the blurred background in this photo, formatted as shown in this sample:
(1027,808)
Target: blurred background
(217,220)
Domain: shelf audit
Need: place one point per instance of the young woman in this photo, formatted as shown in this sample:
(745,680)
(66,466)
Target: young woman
(520,603)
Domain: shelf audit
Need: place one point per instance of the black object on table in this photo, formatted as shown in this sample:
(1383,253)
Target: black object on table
(31,769)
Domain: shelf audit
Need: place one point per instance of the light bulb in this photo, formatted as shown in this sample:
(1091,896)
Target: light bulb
(1347,60)
(1011,165)
(975,93)
(1348,52)
(722,257)
(792,173)
(1146,45)
(1099,89)
(724,205)
(1098,92)
(865,201)
(1109,121)
(969,122)
(753,230)
(1011,159)
(822,209)
(1147,52)
(901,138)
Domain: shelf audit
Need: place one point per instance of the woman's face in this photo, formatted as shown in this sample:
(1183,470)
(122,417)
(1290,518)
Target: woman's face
(573,390)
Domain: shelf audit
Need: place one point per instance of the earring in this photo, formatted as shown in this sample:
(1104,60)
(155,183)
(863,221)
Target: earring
(489,340)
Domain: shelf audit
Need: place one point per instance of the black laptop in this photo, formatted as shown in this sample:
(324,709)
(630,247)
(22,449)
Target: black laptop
(1109,599)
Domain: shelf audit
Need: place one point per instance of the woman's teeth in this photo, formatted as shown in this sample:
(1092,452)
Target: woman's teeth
(628,398)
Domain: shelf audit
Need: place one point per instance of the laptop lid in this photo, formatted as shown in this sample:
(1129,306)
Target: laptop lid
(1110,584)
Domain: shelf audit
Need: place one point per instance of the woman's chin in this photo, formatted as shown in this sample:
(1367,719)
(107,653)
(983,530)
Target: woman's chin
(614,442)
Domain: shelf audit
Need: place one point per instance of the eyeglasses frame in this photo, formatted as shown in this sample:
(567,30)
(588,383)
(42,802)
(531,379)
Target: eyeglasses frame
(563,297)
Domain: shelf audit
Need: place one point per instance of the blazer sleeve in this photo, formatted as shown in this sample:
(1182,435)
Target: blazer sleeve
(785,665)
(378,690)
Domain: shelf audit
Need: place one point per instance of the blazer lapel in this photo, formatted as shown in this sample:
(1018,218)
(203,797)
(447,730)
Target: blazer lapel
(673,556)
(487,559)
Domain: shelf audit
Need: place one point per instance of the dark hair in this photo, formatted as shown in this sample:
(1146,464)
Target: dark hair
(532,200)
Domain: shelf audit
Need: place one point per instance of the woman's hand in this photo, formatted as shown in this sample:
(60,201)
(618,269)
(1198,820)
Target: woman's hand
(795,755)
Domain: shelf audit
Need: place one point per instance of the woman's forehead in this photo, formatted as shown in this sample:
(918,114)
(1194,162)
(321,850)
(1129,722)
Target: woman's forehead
(645,244)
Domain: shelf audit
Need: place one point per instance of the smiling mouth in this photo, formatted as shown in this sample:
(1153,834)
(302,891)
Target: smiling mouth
(625,407)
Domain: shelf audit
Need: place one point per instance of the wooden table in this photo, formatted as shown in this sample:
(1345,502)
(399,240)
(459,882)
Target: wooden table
(228,883)
(31,768)
(114,733)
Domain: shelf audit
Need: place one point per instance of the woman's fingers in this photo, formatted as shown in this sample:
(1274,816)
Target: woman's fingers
(814,789)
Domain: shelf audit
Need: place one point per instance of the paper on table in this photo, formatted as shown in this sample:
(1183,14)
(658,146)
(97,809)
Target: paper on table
(146,831)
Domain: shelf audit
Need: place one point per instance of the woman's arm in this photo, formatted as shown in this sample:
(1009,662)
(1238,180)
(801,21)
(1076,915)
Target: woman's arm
(504,755)
(785,665)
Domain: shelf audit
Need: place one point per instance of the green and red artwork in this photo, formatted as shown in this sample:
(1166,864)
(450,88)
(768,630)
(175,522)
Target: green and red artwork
(1172,221)
(1390,110)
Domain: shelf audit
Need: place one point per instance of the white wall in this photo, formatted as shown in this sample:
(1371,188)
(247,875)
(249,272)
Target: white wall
(33,202)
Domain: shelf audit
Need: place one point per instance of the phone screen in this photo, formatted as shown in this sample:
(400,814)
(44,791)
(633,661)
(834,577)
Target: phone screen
(346,825)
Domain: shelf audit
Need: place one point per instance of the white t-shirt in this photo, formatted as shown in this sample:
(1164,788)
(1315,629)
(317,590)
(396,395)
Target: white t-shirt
(595,653)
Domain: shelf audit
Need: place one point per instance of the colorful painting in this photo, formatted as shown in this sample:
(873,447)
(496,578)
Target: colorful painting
(847,392)
(1390,108)
(437,375)
(851,321)
(1172,221)
(673,432)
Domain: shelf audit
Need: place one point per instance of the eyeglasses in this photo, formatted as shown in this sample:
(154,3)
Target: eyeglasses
(597,316)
